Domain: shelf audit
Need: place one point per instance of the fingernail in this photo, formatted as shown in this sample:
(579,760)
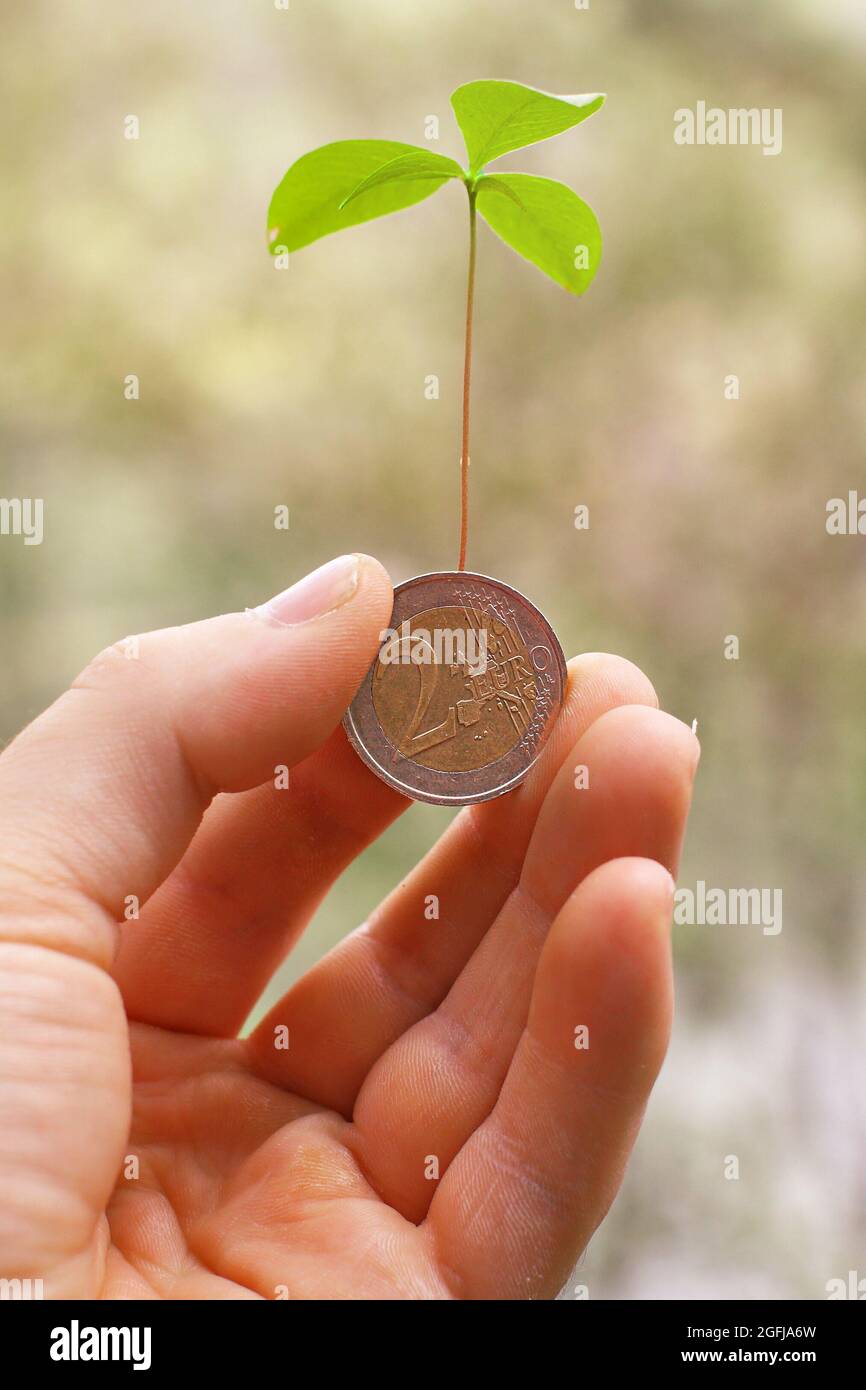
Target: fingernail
(321,592)
(668,901)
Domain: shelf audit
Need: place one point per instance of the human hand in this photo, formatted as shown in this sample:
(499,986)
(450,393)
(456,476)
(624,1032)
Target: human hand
(146,1151)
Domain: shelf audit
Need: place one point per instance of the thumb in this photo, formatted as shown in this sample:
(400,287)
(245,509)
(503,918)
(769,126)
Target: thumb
(103,792)
(98,799)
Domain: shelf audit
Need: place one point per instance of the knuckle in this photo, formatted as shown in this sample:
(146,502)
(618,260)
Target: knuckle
(132,669)
(113,663)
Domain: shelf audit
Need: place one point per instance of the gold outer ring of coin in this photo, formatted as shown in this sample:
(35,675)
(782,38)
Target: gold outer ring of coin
(461,723)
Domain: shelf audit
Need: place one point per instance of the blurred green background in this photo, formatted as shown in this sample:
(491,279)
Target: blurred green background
(307,388)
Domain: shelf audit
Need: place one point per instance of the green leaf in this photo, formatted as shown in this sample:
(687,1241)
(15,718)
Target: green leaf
(306,204)
(494,184)
(419,164)
(496,117)
(548,224)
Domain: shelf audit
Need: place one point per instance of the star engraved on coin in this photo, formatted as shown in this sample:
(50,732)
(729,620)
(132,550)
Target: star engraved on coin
(463,693)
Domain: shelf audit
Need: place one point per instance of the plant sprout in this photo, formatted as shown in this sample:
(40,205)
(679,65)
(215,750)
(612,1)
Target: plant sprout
(353,181)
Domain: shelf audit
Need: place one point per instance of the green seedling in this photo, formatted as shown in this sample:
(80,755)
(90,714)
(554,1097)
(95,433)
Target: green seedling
(353,181)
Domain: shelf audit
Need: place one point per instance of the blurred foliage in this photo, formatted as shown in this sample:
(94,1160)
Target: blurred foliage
(306,388)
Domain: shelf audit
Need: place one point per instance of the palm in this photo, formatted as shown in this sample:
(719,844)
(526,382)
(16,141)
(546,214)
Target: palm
(259,1187)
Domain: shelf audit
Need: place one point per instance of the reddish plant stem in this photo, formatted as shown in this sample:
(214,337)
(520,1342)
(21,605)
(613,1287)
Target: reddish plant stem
(467,372)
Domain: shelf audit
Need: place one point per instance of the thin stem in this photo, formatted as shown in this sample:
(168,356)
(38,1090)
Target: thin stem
(467,369)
